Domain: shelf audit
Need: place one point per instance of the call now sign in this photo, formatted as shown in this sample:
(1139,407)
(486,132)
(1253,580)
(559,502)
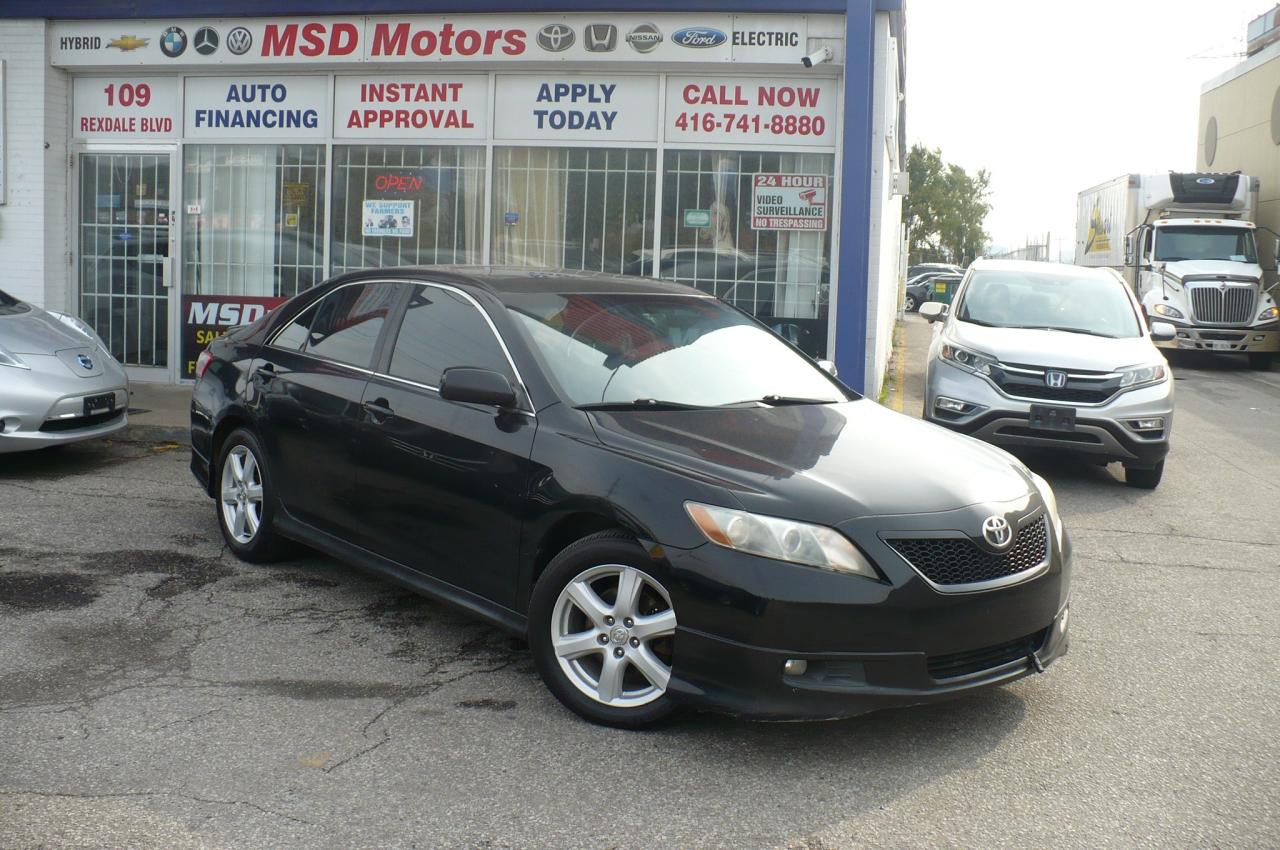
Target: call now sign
(789,202)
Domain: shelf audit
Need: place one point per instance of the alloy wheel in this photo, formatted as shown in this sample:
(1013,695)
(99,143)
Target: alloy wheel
(241,494)
(611,631)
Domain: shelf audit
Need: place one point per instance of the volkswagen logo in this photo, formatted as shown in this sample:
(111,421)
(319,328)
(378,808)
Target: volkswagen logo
(85,362)
(600,38)
(644,38)
(555,38)
(173,42)
(1055,380)
(997,532)
(206,40)
(699,37)
(239,40)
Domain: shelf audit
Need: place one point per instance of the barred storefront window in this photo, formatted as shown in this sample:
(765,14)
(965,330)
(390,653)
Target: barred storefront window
(403,205)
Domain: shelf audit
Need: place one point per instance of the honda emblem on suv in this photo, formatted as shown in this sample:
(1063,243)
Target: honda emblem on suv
(997,532)
(1055,380)
(555,38)
(600,38)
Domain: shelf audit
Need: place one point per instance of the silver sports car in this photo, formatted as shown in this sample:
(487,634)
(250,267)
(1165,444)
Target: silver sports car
(58,383)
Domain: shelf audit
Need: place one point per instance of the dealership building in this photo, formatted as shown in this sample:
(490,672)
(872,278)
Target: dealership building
(170,169)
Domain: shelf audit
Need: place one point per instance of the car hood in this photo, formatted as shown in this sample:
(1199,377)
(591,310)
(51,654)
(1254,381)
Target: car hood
(824,463)
(1060,349)
(1182,268)
(38,332)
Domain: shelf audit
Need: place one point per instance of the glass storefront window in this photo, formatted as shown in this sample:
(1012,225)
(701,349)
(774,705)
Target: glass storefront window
(575,208)
(254,222)
(403,205)
(782,276)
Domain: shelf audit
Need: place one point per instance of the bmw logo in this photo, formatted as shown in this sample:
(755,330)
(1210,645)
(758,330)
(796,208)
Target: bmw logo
(239,40)
(206,40)
(173,42)
(555,38)
(85,362)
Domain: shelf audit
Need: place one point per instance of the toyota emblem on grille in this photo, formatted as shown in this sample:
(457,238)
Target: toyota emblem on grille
(1054,379)
(997,532)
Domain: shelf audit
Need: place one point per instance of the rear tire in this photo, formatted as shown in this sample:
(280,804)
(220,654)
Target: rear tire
(1144,479)
(1261,360)
(910,304)
(601,628)
(245,500)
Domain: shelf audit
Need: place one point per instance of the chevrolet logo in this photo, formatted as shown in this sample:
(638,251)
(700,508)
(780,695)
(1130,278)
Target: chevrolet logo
(129,42)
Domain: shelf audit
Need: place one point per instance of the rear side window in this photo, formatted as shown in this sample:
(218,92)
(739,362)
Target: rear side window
(344,325)
(442,329)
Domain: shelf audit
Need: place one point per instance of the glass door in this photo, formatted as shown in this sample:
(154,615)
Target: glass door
(124,238)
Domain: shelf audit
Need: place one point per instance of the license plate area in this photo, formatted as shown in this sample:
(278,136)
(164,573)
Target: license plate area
(1049,418)
(1220,346)
(95,404)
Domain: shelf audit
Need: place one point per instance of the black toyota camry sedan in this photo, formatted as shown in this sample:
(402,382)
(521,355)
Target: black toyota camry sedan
(669,501)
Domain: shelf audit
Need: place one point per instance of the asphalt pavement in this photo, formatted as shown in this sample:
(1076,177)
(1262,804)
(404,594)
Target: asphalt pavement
(155,692)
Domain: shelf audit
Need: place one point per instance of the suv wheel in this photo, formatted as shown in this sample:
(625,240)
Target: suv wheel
(601,629)
(910,304)
(245,500)
(1144,479)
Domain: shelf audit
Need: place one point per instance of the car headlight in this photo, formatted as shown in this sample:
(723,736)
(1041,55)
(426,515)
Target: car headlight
(1138,376)
(1167,311)
(8,358)
(1269,313)
(780,539)
(81,327)
(1050,506)
(968,360)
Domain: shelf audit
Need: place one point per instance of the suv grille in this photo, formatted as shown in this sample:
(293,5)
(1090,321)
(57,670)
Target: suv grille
(1231,306)
(1081,387)
(977,660)
(958,560)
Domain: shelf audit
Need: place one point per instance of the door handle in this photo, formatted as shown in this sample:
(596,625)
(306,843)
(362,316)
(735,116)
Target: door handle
(265,374)
(379,410)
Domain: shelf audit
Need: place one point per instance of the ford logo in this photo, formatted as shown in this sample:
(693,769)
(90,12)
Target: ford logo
(1205,181)
(699,37)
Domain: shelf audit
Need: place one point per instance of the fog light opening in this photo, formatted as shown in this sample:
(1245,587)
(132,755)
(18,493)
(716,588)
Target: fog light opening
(1155,423)
(952,405)
(1258,337)
(795,667)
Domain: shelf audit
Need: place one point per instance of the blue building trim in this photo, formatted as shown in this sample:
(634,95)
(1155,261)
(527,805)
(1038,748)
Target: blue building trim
(112,9)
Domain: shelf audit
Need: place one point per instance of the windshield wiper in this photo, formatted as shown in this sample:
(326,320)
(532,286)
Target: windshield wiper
(1064,330)
(783,401)
(641,404)
(979,322)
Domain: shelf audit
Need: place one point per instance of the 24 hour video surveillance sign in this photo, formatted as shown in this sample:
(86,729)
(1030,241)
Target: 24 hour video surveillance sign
(789,202)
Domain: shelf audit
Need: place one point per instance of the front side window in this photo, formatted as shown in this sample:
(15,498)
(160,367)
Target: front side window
(605,348)
(344,325)
(1049,301)
(1205,243)
(442,329)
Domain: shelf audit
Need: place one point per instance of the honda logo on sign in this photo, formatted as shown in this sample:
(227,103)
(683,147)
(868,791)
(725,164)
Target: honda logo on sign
(1054,379)
(600,38)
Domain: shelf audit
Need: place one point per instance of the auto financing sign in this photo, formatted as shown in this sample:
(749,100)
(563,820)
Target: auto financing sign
(789,202)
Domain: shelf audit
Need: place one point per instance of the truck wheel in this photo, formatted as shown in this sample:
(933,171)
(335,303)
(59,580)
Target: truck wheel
(1260,360)
(1144,479)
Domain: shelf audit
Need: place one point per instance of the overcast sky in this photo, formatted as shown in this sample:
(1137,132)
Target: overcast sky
(1055,97)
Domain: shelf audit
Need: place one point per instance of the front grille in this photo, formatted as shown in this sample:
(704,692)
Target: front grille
(1230,306)
(1028,382)
(79,422)
(989,657)
(1068,393)
(1224,336)
(958,560)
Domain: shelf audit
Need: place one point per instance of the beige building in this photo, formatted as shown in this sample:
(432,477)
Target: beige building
(1240,121)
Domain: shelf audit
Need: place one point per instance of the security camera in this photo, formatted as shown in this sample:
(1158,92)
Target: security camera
(817,57)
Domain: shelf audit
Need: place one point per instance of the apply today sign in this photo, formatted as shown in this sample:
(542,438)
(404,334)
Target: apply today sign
(585,107)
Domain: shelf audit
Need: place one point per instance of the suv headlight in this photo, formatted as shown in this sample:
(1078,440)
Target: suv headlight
(8,358)
(1138,376)
(1167,311)
(780,539)
(1269,313)
(1050,506)
(970,361)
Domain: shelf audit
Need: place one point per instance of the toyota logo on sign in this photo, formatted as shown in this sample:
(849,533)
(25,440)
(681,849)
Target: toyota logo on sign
(239,40)
(555,38)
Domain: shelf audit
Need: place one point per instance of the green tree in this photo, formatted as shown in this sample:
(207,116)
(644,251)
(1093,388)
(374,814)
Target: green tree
(945,209)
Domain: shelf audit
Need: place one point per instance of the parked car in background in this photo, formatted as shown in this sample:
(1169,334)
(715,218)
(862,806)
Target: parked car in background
(921,268)
(1052,356)
(920,289)
(669,503)
(58,383)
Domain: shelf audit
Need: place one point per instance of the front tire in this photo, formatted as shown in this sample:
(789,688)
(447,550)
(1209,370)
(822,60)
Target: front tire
(246,502)
(910,304)
(1144,479)
(601,629)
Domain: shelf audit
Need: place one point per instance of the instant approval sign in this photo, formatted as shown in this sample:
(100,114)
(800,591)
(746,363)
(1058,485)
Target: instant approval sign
(281,107)
(411,106)
(575,107)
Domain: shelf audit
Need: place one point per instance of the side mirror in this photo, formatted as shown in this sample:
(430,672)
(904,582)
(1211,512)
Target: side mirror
(933,311)
(828,367)
(1163,331)
(477,386)
(1128,250)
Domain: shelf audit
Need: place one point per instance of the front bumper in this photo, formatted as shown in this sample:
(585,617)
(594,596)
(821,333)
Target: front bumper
(1237,340)
(1104,430)
(44,406)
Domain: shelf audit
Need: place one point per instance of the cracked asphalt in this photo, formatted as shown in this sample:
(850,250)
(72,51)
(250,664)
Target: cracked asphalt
(154,692)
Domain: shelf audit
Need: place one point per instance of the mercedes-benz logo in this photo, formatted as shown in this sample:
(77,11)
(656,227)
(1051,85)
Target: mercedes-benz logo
(206,40)
(997,532)
(173,42)
(239,40)
(555,38)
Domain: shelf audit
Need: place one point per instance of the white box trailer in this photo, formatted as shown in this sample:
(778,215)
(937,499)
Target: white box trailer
(1187,244)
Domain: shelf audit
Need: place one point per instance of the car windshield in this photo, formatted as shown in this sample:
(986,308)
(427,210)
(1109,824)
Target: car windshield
(1205,243)
(10,306)
(678,350)
(1090,304)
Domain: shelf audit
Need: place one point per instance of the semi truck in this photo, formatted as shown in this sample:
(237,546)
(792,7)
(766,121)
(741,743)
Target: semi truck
(1188,245)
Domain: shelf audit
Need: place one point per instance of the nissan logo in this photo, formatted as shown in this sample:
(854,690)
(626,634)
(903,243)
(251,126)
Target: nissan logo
(239,40)
(1055,380)
(555,38)
(699,37)
(644,38)
(85,362)
(997,532)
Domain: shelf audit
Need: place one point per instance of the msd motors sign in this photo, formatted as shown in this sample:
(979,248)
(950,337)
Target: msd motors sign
(207,317)
(643,38)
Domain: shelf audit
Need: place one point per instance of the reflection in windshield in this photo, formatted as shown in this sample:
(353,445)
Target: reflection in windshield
(671,348)
(1079,303)
(1205,243)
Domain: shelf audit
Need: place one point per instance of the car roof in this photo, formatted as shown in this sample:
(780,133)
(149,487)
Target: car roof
(503,281)
(1042,268)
